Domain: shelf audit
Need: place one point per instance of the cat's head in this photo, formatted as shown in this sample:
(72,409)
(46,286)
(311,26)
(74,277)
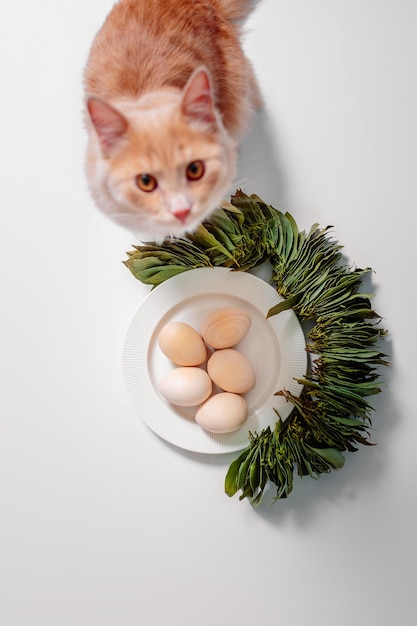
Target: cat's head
(160,165)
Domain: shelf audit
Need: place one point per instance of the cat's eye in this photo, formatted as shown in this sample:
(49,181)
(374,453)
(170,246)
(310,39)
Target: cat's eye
(146,182)
(195,170)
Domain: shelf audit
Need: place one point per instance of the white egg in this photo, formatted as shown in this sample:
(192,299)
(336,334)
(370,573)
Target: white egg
(182,344)
(231,371)
(222,413)
(225,327)
(186,386)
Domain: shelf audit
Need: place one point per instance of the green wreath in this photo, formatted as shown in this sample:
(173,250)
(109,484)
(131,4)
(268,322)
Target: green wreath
(332,414)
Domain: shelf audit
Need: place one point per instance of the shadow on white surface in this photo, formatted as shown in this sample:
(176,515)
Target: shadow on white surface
(259,169)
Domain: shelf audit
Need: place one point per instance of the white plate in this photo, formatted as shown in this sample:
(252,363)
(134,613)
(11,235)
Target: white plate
(275,347)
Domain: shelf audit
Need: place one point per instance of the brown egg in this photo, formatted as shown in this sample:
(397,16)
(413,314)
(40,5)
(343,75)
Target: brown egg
(225,327)
(182,344)
(230,370)
(222,413)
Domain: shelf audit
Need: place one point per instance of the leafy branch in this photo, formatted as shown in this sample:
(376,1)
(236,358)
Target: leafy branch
(332,414)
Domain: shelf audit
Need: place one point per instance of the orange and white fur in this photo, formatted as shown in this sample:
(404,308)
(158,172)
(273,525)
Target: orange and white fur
(169,94)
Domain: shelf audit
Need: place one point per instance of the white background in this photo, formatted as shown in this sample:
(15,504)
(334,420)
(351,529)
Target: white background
(101,521)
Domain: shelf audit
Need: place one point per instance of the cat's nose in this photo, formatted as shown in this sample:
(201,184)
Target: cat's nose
(181,214)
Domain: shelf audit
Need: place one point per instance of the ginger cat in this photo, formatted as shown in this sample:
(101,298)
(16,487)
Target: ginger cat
(169,94)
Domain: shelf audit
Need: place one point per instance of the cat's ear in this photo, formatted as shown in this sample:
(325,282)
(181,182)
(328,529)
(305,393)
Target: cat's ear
(197,97)
(110,125)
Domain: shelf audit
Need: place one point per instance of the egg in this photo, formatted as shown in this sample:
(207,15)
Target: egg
(225,327)
(182,344)
(222,413)
(230,370)
(186,386)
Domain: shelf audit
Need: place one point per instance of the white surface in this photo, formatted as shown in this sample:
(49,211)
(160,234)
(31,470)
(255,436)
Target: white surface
(274,347)
(102,522)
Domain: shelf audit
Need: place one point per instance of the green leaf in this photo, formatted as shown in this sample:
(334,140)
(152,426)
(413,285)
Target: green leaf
(284,305)
(331,456)
(255,470)
(243,475)
(233,472)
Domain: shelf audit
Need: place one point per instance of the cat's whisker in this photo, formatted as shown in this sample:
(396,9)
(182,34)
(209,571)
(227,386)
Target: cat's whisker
(245,182)
(240,182)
